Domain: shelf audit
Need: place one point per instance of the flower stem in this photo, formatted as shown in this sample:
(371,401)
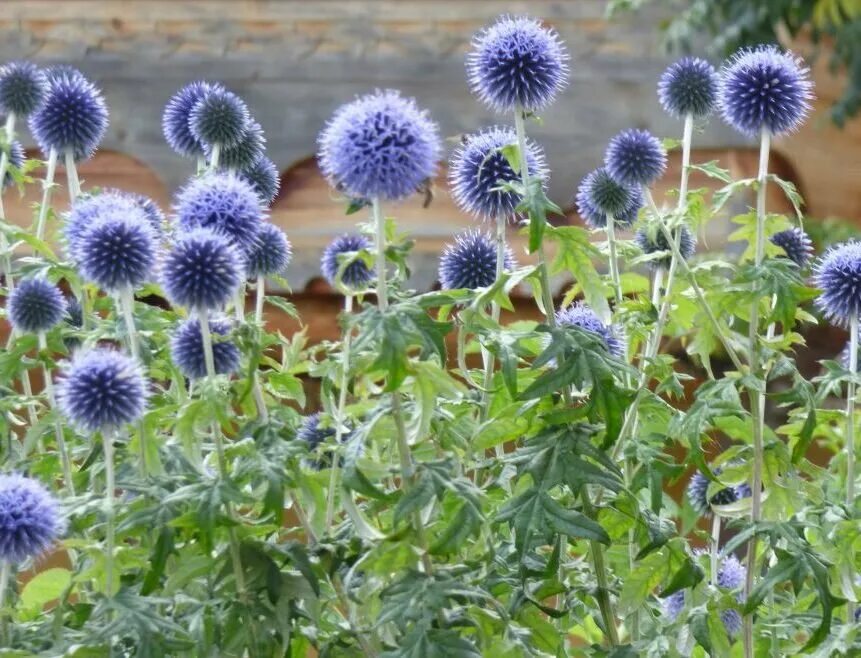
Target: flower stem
(715,548)
(494,314)
(214,155)
(614,260)
(334,476)
(256,390)
(126,302)
(110,526)
(65,461)
(5,254)
(757,398)
(850,417)
(47,190)
(260,290)
(72,179)
(5,578)
(397,411)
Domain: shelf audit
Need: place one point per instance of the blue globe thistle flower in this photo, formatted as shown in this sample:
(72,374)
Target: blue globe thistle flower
(35,305)
(650,244)
(731,574)
(797,245)
(689,87)
(102,389)
(224,203)
(17,157)
(30,518)
(23,86)
(380,145)
(245,152)
(697,493)
(175,120)
(635,157)
(838,274)
(117,252)
(73,117)
(186,349)
(765,89)
(219,117)
(356,275)
(478,169)
(471,262)
(312,434)
(271,255)
(74,318)
(263,176)
(600,195)
(517,62)
(580,315)
(202,270)
(89,209)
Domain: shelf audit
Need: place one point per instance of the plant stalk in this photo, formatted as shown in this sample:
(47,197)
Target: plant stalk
(489,360)
(47,190)
(5,578)
(334,476)
(110,525)
(715,549)
(214,156)
(256,390)
(757,398)
(615,277)
(6,258)
(72,179)
(850,417)
(65,460)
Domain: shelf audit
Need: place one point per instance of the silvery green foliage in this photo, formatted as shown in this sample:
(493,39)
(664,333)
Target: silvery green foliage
(439,477)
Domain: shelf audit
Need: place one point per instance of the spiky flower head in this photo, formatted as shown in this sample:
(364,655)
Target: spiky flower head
(765,88)
(245,152)
(356,275)
(599,195)
(118,252)
(263,176)
(797,245)
(30,518)
(186,348)
(272,254)
(697,493)
(312,434)
(517,63)
(224,203)
(23,86)
(478,169)
(17,157)
(471,262)
(73,318)
(102,390)
(838,274)
(380,145)
(635,157)
(35,305)
(688,87)
(581,315)
(175,120)
(202,270)
(650,240)
(73,116)
(89,209)
(731,575)
(219,117)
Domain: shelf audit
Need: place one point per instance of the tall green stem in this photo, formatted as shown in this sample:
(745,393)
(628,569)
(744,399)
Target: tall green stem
(715,549)
(214,156)
(5,577)
(489,360)
(65,461)
(110,523)
(615,277)
(340,419)
(5,255)
(850,417)
(757,398)
(47,191)
(72,179)
(126,303)
(256,390)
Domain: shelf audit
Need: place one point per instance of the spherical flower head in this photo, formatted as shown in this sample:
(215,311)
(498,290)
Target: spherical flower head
(356,275)
(30,518)
(635,157)
(245,152)
(797,245)
(478,169)
(517,63)
(174,121)
(312,434)
(224,203)
(838,274)
(17,157)
(117,253)
(688,87)
(731,575)
(102,390)
(73,117)
(471,262)
(73,318)
(380,145)
(219,117)
(652,243)
(23,86)
(765,89)
(91,209)
(263,176)
(580,315)
(186,349)
(599,195)
(202,270)
(697,493)
(35,305)
(272,254)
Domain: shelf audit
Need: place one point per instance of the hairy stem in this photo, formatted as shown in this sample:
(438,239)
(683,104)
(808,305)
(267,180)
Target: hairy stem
(5,578)
(110,523)
(214,156)
(850,416)
(340,419)
(489,360)
(47,190)
(5,253)
(72,180)
(256,389)
(615,277)
(260,290)
(65,460)
(757,398)
(715,549)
